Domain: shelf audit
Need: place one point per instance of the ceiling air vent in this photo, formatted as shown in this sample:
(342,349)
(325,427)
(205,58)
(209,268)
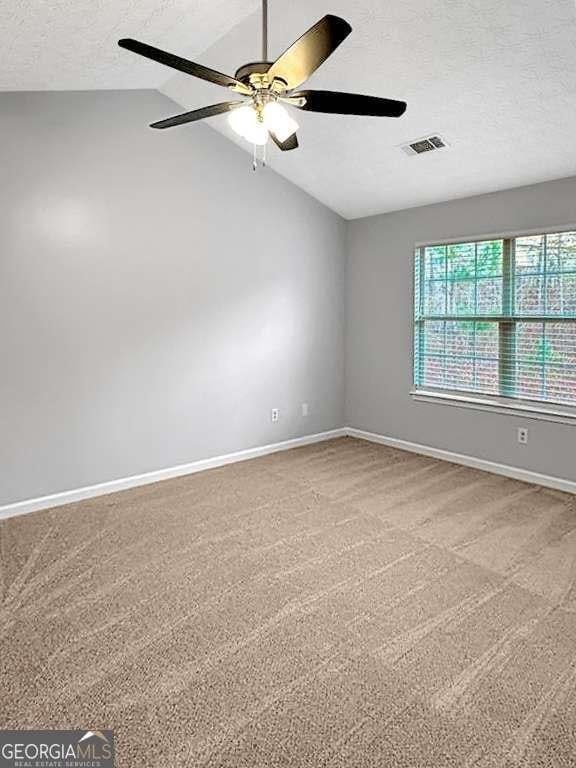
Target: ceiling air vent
(427,144)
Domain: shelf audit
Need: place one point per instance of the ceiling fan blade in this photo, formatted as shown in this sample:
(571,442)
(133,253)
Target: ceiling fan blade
(196,114)
(304,56)
(183,65)
(349,104)
(290,143)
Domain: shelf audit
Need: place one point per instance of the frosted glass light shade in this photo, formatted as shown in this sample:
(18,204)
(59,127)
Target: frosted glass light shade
(257,134)
(241,119)
(244,121)
(278,120)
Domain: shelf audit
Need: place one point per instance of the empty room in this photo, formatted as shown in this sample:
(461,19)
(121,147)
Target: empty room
(288,384)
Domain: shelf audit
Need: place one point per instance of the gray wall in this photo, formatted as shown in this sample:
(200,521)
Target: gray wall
(157,297)
(379,328)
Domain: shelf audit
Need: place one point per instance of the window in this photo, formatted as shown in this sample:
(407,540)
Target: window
(497,319)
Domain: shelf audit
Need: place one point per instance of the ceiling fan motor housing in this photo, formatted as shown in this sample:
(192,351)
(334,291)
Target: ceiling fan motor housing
(252,68)
(254,74)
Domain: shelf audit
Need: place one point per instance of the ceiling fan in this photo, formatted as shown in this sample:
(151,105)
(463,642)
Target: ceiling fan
(268,85)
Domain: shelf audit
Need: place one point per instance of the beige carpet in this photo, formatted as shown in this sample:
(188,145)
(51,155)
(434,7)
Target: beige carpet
(343,604)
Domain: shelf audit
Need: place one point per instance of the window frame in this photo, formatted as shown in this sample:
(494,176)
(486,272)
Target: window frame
(501,403)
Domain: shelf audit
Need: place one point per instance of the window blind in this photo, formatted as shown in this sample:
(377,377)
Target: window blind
(498,317)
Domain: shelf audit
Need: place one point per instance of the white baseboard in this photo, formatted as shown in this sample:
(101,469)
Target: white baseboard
(549,481)
(121,484)
(88,492)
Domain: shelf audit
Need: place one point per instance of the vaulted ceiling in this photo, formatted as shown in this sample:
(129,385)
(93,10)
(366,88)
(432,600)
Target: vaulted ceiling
(496,78)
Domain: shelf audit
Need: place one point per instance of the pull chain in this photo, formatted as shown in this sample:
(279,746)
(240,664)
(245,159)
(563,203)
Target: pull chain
(255,157)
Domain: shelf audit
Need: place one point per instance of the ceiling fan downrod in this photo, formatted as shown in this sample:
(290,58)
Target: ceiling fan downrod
(264,30)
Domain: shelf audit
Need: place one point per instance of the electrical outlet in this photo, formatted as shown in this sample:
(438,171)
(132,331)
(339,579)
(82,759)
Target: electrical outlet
(522,435)
(274,414)
(304,409)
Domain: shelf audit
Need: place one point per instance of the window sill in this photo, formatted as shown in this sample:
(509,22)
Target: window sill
(503,405)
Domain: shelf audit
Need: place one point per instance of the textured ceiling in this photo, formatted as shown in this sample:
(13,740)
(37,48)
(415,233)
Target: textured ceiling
(71,44)
(496,78)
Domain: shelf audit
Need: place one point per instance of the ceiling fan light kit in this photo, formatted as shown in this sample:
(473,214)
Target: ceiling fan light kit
(269,87)
(244,121)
